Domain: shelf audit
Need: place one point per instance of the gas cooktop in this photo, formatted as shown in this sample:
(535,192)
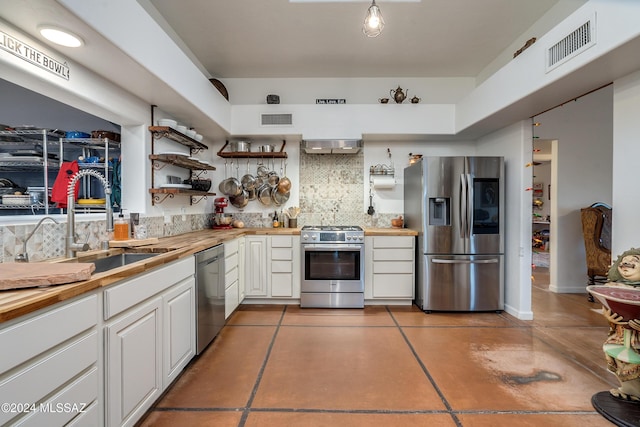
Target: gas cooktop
(331,228)
(332,234)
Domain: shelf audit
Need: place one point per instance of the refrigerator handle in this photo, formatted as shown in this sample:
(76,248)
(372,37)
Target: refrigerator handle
(462,208)
(469,205)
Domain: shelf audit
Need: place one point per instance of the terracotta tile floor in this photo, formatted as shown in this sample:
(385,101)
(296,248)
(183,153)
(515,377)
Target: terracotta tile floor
(397,366)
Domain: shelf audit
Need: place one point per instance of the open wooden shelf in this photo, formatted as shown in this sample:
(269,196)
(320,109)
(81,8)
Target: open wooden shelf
(174,135)
(252,154)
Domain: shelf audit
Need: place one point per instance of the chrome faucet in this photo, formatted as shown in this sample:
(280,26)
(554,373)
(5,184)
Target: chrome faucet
(24,256)
(71,245)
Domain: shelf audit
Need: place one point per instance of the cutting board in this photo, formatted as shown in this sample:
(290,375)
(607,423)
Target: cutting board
(17,275)
(131,243)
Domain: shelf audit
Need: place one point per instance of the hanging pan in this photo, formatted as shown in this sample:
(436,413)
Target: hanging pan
(278,197)
(264,195)
(284,185)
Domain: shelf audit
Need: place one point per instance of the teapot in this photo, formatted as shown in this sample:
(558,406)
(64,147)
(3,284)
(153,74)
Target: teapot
(398,95)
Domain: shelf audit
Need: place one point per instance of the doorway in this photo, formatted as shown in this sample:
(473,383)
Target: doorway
(541,213)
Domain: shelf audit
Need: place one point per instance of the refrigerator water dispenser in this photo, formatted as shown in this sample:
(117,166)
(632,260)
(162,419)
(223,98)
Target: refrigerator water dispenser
(439,211)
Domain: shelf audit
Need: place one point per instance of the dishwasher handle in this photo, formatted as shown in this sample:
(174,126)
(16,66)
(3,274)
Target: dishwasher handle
(209,260)
(465,261)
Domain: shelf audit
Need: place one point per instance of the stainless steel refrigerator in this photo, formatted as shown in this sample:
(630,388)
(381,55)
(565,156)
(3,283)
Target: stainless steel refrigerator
(457,206)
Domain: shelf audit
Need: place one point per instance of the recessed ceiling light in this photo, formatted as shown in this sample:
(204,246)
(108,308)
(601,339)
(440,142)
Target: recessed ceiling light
(60,36)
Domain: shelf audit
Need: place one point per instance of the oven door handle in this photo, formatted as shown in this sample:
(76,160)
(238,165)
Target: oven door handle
(330,247)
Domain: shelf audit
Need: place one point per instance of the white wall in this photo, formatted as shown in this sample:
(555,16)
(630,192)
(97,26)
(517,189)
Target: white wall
(581,175)
(515,144)
(391,200)
(354,90)
(626,151)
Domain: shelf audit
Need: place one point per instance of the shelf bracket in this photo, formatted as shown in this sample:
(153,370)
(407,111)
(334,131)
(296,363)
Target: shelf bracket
(197,199)
(157,199)
(159,134)
(158,165)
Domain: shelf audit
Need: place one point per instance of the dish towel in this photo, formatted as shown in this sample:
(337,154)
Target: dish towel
(59,190)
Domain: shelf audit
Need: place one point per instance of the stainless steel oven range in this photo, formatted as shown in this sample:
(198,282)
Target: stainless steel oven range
(332,267)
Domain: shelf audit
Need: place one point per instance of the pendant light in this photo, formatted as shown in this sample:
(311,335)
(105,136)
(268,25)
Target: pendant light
(373,22)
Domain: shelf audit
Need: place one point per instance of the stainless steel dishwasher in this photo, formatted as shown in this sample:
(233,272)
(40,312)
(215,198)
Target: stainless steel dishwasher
(209,295)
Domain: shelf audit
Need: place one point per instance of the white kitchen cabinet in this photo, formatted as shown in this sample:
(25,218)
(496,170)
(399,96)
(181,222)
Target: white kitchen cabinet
(284,266)
(53,359)
(231,276)
(179,333)
(390,272)
(133,363)
(272,267)
(256,266)
(149,338)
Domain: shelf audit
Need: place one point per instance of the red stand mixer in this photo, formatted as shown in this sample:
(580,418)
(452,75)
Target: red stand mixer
(220,219)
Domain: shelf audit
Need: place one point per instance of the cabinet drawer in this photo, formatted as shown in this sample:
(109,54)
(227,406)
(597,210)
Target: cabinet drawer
(393,254)
(230,277)
(281,267)
(31,337)
(393,286)
(230,262)
(281,241)
(393,241)
(46,376)
(282,285)
(77,401)
(393,267)
(133,291)
(282,254)
(231,247)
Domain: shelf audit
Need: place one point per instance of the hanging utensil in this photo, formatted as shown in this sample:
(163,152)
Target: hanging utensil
(371,210)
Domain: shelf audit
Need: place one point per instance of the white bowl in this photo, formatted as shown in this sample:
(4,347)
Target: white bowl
(190,133)
(167,122)
(198,137)
(181,129)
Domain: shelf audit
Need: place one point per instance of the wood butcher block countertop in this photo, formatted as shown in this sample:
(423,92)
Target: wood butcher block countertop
(19,302)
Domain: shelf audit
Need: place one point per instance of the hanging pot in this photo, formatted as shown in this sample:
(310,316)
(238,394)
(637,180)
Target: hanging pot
(248,181)
(262,170)
(231,185)
(284,185)
(278,197)
(264,195)
(272,177)
(241,200)
(253,194)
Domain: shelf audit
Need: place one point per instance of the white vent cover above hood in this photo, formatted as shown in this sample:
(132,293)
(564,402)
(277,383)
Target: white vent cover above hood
(331,146)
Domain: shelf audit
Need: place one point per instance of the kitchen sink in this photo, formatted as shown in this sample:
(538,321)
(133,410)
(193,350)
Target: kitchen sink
(114,261)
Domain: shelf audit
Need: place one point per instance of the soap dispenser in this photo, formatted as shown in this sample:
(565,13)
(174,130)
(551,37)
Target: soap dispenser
(121,228)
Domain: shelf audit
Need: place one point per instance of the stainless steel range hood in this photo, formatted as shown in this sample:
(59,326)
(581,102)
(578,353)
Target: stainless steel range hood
(331,146)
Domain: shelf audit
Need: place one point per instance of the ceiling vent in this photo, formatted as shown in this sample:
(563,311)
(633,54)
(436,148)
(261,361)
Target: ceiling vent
(575,43)
(277,119)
